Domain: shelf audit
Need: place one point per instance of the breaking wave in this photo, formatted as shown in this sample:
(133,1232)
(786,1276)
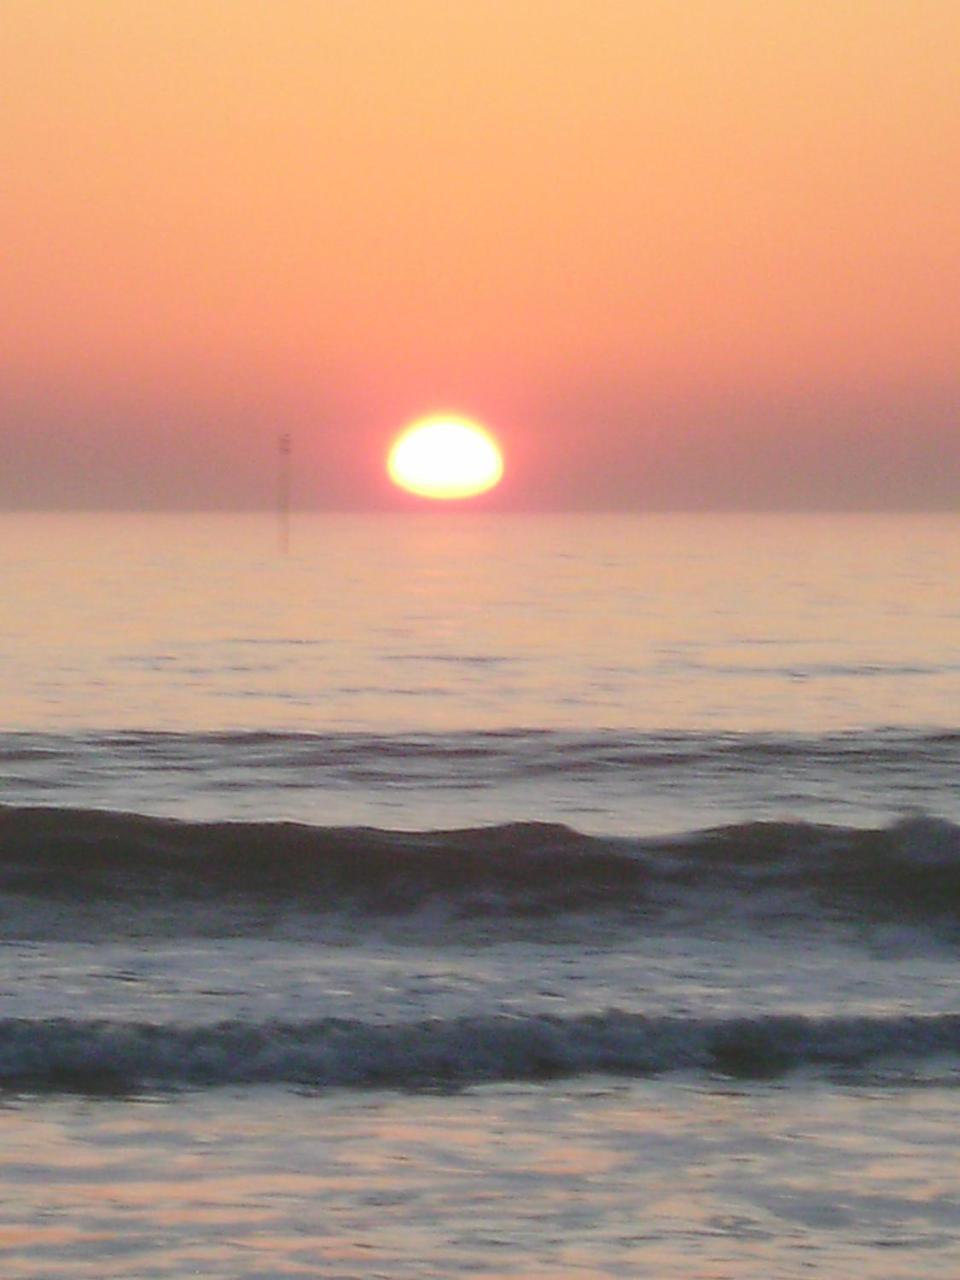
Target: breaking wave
(130,1057)
(908,869)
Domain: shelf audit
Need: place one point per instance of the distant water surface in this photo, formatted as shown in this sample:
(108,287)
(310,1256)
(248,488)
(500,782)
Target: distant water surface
(439,622)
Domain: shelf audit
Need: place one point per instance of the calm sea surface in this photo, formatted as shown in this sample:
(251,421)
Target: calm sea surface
(495,895)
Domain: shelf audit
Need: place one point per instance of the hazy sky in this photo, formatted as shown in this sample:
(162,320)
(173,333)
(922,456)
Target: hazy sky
(674,252)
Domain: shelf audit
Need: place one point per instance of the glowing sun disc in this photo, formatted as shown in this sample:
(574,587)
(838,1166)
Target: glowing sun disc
(445,457)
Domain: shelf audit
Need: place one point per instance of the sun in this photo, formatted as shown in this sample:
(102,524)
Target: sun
(445,456)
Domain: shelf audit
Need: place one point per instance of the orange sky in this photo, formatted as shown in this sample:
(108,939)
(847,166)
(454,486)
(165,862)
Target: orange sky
(675,252)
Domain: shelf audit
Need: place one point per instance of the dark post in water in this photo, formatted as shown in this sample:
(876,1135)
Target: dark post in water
(284,447)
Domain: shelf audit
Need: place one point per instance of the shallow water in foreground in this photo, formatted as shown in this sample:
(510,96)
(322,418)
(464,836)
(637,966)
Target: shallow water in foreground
(594,1179)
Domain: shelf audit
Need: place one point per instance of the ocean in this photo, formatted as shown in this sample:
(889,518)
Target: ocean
(519,897)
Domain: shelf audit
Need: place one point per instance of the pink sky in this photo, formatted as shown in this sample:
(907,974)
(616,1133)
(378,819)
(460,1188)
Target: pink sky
(697,253)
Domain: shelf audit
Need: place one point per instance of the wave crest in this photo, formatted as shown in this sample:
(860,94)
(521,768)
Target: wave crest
(69,1055)
(911,868)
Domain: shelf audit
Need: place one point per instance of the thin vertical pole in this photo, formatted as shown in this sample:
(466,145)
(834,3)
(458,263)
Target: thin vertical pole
(284,449)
